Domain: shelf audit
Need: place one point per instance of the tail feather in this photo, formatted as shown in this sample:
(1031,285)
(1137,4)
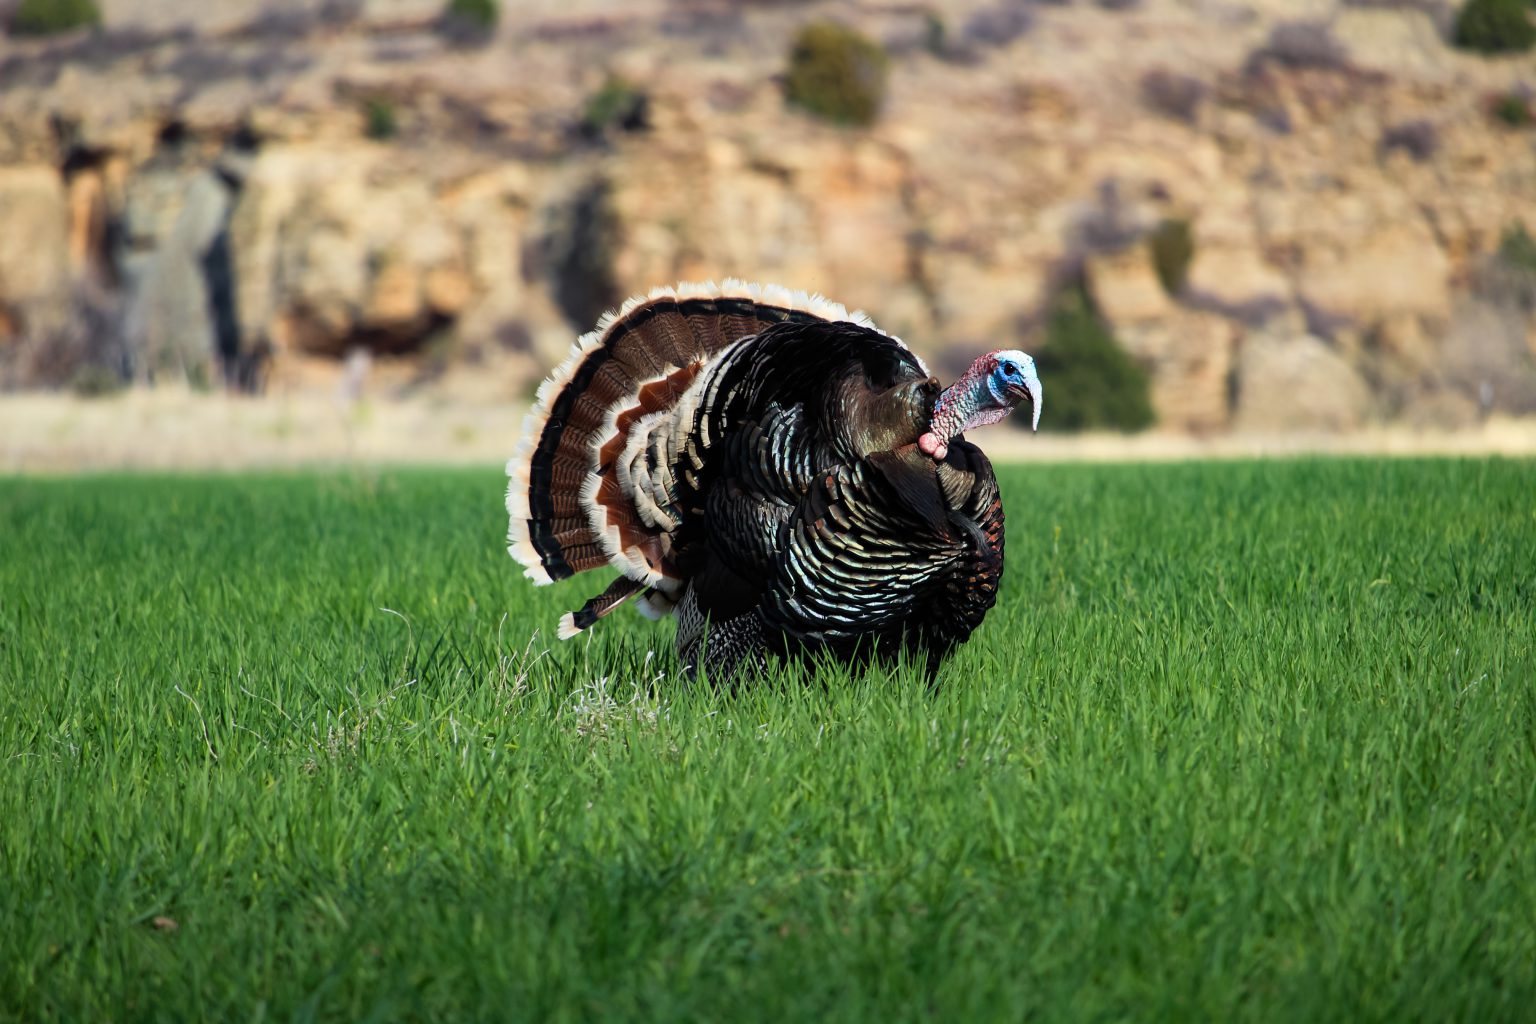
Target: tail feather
(590,480)
(619,591)
(639,362)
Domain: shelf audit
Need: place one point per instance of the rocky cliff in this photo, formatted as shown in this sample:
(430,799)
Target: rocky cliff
(302,196)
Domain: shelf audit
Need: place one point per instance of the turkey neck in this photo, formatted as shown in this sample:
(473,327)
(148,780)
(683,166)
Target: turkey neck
(965,404)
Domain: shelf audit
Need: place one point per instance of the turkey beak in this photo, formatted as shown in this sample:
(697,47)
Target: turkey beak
(1036,395)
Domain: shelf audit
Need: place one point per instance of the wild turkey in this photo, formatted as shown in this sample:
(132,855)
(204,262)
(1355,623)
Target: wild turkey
(775,469)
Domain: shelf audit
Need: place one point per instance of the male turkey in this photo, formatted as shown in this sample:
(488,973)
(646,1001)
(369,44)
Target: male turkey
(775,469)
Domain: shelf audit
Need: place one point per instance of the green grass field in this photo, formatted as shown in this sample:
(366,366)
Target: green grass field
(1243,741)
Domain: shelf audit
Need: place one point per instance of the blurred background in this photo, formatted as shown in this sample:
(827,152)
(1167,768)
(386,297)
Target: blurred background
(242,231)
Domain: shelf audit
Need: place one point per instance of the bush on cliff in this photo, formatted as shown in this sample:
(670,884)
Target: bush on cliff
(380,123)
(1172,246)
(619,105)
(836,73)
(1517,249)
(470,21)
(45,17)
(1495,26)
(1091,383)
(1512,109)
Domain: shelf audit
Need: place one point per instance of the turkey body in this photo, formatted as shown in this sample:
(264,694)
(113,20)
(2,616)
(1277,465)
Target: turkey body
(747,458)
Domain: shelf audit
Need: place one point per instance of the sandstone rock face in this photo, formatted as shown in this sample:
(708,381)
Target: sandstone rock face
(1395,272)
(214,167)
(1443,410)
(1191,355)
(1287,382)
(1236,279)
(827,215)
(1125,287)
(171,322)
(338,249)
(979,303)
(1391,39)
(34,250)
(336,253)
(1484,356)
(235,15)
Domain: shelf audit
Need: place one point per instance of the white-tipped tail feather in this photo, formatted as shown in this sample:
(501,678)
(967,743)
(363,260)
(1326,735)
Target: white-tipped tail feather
(657,348)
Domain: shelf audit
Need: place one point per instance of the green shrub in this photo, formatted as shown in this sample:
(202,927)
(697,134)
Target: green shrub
(618,104)
(935,35)
(1517,249)
(1495,26)
(45,17)
(1513,109)
(483,12)
(380,120)
(1173,247)
(836,73)
(1508,280)
(470,21)
(1090,382)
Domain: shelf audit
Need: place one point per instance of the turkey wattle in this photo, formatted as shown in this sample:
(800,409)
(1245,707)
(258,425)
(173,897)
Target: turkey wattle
(777,471)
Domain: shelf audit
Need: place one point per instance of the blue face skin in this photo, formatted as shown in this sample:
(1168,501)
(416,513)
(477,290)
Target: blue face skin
(1008,381)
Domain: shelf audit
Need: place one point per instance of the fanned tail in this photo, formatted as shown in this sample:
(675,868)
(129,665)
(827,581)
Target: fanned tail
(591,482)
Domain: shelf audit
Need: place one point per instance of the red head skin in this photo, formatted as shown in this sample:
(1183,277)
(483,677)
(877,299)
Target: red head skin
(986,392)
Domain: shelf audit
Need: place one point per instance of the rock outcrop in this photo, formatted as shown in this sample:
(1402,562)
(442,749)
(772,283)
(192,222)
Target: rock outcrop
(272,189)
(1287,380)
(34,252)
